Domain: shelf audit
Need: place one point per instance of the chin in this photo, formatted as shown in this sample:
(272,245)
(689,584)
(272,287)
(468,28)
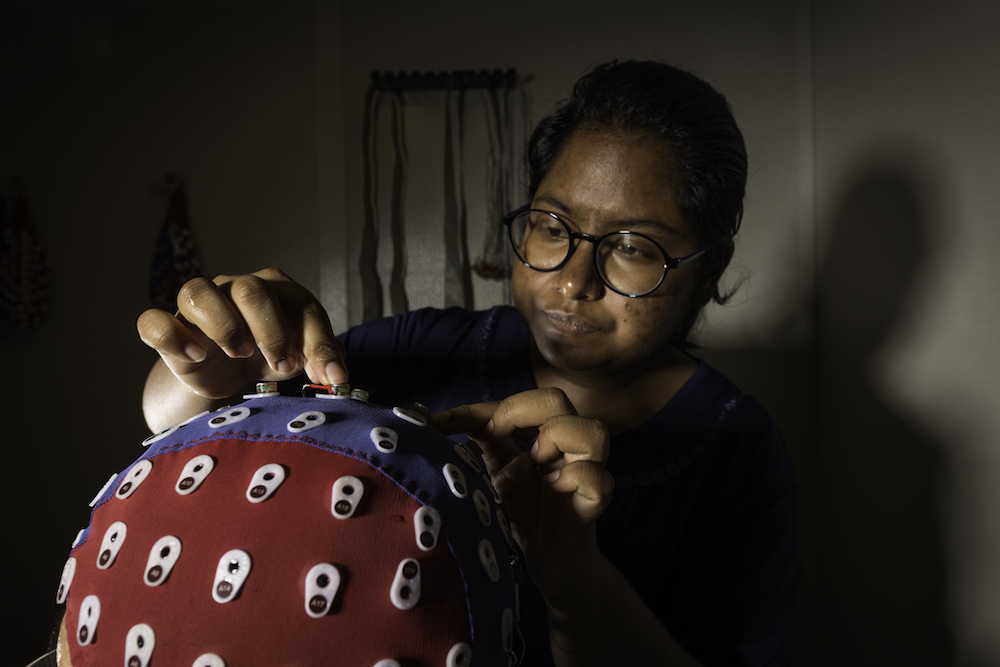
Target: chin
(572,357)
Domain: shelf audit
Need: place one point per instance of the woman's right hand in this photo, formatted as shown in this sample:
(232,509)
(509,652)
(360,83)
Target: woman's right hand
(235,330)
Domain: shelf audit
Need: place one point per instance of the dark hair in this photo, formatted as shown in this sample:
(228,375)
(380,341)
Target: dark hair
(695,123)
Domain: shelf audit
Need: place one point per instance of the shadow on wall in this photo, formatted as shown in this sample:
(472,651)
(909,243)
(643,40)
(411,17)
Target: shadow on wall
(884,575)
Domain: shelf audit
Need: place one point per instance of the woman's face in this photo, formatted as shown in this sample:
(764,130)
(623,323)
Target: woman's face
(603,182)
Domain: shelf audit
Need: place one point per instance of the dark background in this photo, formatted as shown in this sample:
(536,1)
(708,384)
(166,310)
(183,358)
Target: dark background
(867,322)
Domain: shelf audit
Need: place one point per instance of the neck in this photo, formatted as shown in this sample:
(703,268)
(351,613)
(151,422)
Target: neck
(621,400)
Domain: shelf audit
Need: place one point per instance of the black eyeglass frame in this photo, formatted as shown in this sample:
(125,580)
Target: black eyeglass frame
(668,261)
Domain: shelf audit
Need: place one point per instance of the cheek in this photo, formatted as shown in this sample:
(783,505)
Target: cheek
(523,285)
(654,320)
(644,320)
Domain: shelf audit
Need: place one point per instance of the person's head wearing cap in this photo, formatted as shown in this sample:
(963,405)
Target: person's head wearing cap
(294,531)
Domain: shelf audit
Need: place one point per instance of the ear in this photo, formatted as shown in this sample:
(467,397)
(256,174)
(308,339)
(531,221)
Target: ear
(710,270)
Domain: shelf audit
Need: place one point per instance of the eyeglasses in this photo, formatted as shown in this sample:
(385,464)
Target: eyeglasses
(629,263)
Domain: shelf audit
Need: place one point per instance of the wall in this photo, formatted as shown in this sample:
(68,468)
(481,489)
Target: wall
(906,141)
(97,103)
(866,324)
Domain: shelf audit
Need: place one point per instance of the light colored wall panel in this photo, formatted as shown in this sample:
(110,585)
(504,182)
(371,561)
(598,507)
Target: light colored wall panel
(222,93)
(907,98)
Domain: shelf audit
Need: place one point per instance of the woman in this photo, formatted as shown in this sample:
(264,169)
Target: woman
(655,503)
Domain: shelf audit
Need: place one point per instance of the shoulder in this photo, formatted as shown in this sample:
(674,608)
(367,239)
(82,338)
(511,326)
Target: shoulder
(742,449)
(723,413)
(711,445)
(750,442)
(709,488)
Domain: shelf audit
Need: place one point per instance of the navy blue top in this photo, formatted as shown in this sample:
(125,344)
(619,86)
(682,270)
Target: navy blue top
(703,522)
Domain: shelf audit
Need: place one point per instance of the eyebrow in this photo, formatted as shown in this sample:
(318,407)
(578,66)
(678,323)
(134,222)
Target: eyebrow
(627,224)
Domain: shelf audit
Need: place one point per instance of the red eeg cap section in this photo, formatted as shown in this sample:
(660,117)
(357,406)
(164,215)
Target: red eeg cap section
(283,537)
(286,535)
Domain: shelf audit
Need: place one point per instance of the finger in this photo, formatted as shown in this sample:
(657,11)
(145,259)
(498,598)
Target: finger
(516,482)
(259,305)
(494,424)
(572,438)
(170,337)
(204,305)
(519,416)
(470,418)
(591,487)
(321,351)
(475,420)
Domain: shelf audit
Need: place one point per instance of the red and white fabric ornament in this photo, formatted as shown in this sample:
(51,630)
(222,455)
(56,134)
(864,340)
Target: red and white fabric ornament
(24,269)
(175,258)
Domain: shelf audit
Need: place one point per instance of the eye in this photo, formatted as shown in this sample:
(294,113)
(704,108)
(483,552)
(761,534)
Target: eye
(549,231)
(545,228)
(627,250)
(553,230)
(634,248)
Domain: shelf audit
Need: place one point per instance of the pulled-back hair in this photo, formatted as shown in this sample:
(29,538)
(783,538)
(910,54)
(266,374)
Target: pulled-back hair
(694,122)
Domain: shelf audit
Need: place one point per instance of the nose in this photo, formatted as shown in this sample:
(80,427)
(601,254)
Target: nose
(578,278)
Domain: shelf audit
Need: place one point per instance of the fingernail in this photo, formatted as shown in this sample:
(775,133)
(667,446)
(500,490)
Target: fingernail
(551,477)
(534,450)
(286,365)
(194,352)
(439,418)
(489,428)
(335,373)
(242,352)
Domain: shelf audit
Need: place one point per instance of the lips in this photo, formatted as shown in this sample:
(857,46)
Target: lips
(569,324)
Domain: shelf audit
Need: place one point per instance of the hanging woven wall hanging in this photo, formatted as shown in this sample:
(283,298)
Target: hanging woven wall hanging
(24,268)
(441,157)
(176,259)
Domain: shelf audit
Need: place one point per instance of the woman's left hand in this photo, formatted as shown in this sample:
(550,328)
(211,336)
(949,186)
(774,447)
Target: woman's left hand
(556,489)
